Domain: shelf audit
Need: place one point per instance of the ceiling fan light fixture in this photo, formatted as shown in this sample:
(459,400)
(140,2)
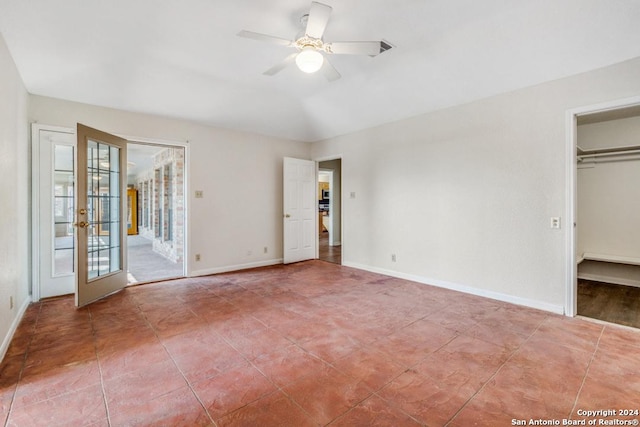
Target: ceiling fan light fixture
(309,60)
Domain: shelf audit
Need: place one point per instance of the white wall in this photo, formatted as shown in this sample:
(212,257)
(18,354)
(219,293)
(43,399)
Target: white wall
(463,196)
(14,197)
(239,173)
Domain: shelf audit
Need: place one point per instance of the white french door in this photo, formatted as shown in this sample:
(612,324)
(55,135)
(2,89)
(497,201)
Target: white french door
(300,210)
(54,169)
(100,214)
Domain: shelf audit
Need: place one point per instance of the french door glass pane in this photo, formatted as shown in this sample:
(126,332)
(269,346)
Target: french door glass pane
(63,210)
(103,205)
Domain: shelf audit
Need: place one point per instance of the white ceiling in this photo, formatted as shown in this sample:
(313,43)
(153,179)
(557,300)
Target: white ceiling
(140,157)
(182,58)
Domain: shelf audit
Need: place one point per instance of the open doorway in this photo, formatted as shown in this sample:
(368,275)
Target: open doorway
(155,217)
(330,211)
(608,224)
(155,212)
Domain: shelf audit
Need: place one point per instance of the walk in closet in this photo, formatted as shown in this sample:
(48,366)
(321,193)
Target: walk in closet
(608,216)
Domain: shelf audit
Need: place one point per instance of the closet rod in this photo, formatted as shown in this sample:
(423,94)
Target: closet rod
(586,163)
(609,151)
(588,156)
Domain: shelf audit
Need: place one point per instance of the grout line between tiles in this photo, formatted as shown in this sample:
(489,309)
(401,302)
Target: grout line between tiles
(223,339)
(586,372)
(206,410)
(351,408)
(453,417)
(606,323)
(278,388)
(240,407)
(23,365)
(95,348)
(411,368)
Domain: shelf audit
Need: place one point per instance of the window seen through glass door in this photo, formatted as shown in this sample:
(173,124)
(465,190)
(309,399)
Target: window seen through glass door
(63,210)
(103,199)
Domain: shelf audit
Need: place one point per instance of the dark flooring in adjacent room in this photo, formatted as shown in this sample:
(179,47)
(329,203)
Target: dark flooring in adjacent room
(612,303)
(309,344)
(328,253)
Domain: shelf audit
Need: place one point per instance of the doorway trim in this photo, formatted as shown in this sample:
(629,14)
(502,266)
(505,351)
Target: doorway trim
(331,202)
(571,126)
(187,265)
(342,198)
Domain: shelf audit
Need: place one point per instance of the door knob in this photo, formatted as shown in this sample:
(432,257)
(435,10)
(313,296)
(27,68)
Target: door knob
(82,211)
(287,216)
(82,224)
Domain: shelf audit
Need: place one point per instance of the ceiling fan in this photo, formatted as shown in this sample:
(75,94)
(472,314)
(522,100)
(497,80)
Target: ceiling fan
(311,47)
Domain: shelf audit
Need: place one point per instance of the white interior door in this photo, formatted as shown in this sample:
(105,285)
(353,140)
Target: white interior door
(300,210)
(54,245)
(101,214)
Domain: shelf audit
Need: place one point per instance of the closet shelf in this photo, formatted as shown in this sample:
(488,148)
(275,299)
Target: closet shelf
(587,256)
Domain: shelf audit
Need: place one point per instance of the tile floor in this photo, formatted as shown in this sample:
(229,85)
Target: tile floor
(145,265)
(306,345)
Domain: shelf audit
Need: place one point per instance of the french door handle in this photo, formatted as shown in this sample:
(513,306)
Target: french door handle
(82,224)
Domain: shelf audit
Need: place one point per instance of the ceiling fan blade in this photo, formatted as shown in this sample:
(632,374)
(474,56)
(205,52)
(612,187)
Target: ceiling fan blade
(263,37)
(282,65)
(329,71)
(318,18)
(355,48)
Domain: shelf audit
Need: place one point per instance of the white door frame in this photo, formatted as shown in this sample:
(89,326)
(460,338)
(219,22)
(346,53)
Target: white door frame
(330,173)
(35,197)
(571,295)
(187,265)
(331,201)
(36,128)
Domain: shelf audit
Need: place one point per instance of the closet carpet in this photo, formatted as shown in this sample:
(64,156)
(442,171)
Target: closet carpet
(310,344)
(612,303)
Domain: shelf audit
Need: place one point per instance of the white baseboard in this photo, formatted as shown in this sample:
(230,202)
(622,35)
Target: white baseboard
(14,326)
(540,305)
(609,279)
(228,268)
